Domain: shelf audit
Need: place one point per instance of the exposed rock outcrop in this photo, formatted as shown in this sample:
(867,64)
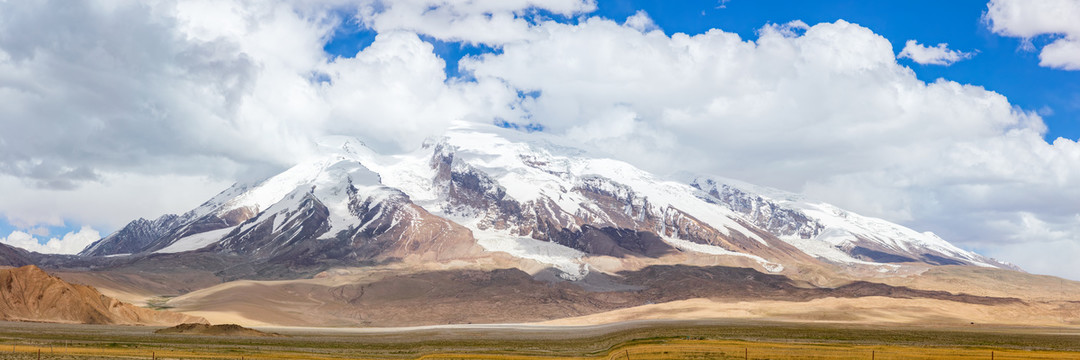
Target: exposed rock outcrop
(30,294)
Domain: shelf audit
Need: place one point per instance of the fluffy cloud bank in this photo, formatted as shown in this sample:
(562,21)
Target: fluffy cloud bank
(492,22)
(1031,18)
(70,243)
(187,96)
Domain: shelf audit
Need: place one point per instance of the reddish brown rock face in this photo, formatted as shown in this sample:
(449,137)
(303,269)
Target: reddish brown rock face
(29,294)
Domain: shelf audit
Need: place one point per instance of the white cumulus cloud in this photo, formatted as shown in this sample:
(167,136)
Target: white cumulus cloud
(933,55)
(108,104)
(491,22)
(1061,54)
(1031,18)
(641,21)
(107,204)
(70,243)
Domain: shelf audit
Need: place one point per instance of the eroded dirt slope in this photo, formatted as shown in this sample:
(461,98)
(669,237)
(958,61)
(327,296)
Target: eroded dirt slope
(30,294)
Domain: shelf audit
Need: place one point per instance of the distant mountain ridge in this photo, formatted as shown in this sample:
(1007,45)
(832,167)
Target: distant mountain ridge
(13,256)
(822,229)
(134,237)
(479,190)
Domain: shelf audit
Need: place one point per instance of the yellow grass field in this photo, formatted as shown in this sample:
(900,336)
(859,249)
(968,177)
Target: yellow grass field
(658,350)
(635,340)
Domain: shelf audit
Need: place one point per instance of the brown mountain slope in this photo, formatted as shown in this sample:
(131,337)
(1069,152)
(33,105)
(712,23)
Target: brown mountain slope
(460,296)
(13,256)
(29,294)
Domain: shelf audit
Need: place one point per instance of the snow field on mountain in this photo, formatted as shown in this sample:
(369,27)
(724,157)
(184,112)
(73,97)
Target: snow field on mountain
(823,247)
(843,227)
(195,242)
(716,250)
(275,188)
(332,189)
(555,177)
(885,233)
(664,194)
(566,260)
(545,176)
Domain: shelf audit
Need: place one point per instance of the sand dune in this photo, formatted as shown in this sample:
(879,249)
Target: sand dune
(865,310)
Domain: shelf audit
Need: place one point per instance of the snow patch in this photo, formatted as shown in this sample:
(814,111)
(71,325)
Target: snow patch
(531,170)
(842,227)
(845,226)
(824,247)
(195,242)
(566,260)
(686,245)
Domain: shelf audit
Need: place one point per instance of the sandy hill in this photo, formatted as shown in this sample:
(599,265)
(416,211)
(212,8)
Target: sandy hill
(215,330)
(30,294)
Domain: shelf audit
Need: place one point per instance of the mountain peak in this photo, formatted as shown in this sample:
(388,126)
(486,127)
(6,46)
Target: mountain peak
(540,201)
(346,146)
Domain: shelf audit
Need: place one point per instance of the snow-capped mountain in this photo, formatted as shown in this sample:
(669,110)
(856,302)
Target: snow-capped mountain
(828,232)
(480,190)
(134,237)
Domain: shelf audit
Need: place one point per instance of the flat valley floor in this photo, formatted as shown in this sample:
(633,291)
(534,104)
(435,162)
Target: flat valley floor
(654,339)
